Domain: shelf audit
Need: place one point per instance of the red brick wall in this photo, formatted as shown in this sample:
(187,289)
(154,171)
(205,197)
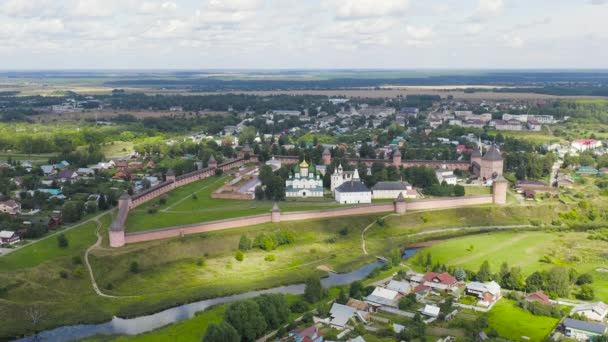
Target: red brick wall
(449,202)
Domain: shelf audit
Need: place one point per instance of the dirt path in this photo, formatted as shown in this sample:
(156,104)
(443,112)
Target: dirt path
(90,269)
(92,219)
(368,227)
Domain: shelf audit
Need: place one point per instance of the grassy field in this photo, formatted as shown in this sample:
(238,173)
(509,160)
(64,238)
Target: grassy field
(182,208)
(513,322)
(79,239)
(526,250)
(117,148)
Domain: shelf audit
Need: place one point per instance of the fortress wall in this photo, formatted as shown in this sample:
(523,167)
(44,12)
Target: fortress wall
(317,214)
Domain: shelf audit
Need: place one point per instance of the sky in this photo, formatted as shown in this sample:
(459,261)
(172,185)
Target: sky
(303,34)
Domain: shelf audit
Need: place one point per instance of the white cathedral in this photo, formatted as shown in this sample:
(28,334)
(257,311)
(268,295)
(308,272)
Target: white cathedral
(305,182)
(340,176)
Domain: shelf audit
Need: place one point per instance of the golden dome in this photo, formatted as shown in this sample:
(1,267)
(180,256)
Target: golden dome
(304,164)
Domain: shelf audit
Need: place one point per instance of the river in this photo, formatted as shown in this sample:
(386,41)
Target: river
(142,324)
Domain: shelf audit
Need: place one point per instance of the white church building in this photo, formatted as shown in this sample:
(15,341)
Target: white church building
(305,182)
(340,176)
(353,191)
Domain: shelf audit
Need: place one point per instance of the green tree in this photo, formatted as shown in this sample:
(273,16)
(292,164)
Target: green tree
(484,273)
(535,282)
(458,190)
(244,243)
(585,278)
(134,267)
(245,317)
(239,256)
(314,291)
(558,281)
(407,302)
(342,297)
(275,309)
(585,293)
(357,290)
(62,241)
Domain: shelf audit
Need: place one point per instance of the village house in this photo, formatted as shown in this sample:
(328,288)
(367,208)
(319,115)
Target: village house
(340,315)
(488,293)
(383,297)
(10,207)
(401,287)
(432,280)
(8,237)
(582,330)
(591,311)
(511,125)
(582,145)
(539,296)
(431,311)
(310,334)
(65,176)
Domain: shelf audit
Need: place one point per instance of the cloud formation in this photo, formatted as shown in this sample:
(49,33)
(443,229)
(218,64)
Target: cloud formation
(302,34)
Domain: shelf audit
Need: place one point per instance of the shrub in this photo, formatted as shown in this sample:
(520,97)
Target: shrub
(153,209)
(77,260)
(239,256)
(298,307)
(194,197)
(78,272)
(200,262)
(585,278)
(270,257)
(63,274)
(62,241)
(134,267)
(162,200)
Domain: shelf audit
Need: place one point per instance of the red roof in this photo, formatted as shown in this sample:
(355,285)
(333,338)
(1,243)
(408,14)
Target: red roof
(420,288)
(539,296)
(586,141)
(461,148)
(443,278)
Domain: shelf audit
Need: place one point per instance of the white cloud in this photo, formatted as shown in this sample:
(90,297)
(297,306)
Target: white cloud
(473,28)
(419,33)
(358,9)
(513,41)
(30,8)
(487,9)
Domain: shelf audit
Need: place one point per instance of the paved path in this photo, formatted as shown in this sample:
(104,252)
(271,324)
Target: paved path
(92,219)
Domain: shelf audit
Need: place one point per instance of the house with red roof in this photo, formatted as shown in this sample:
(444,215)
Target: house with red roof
(586,144)
(539,296)
(310,334)
(440,281)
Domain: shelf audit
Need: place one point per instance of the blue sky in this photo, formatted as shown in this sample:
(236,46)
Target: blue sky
(206,34)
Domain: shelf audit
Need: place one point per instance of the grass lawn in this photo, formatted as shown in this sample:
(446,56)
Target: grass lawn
(182,208)
(117,148)
(513,322)
(525,250)
(477,190)
(79,238)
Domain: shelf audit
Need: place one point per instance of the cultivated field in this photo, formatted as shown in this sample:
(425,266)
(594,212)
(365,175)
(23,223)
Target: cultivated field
(513,322)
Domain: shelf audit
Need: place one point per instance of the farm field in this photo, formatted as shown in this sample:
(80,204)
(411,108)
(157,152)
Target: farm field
(513,322)
(531,251)
(182,208)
